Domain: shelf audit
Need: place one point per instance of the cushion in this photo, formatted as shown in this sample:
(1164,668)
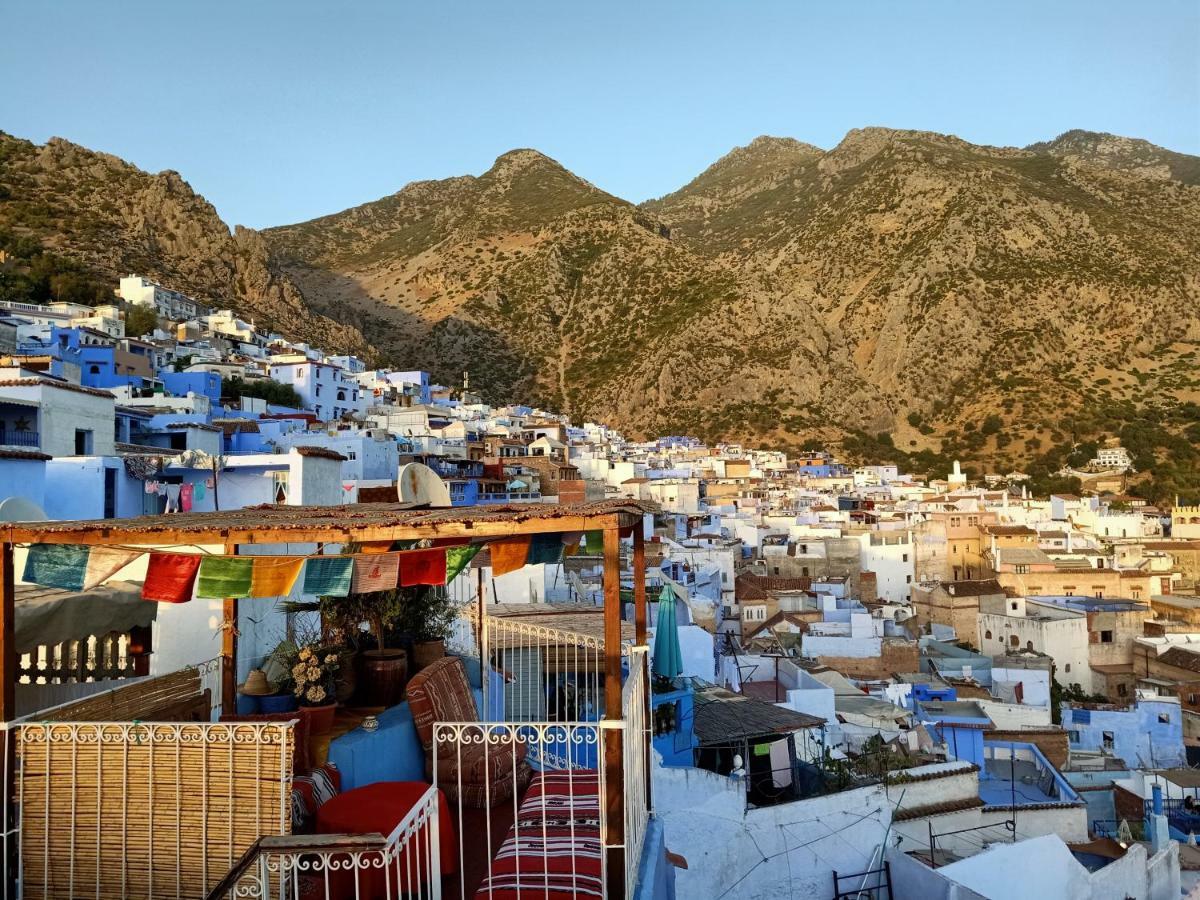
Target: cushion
(310,792)
(301,758)
(553,851)
(440,693)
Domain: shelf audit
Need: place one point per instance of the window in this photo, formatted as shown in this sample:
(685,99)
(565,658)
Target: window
(987,635)
(350,454)
(1074,736)
(905,558)
(1014,640)
(83,442)
(1029,646)
(1067,668)
(1164,718)
(1137,593)
(1122,689)
(804,548)
(804,571)
(908,579)
(955,521)
(1106,637)
(775,570)
(1099,593)
(279,486)
(954,548)
(1191,698)
(1021,569)
(1013,604)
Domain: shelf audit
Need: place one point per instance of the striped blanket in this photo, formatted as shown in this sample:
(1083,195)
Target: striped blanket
(553,850)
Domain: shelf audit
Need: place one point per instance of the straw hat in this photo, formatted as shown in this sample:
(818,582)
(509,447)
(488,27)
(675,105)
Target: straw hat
(256,684)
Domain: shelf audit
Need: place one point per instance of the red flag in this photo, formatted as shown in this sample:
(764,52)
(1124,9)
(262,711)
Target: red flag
(423,567)
(374,572)
(170,577)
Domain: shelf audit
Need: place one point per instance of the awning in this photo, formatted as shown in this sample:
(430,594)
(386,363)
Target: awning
(51,616)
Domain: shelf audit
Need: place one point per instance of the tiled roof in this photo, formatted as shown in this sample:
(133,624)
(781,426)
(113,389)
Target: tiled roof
(1181,658)
(61,385)
(24,454)
(323,452)
(935,809)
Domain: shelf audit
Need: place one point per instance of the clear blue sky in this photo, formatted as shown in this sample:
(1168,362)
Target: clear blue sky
(281,111)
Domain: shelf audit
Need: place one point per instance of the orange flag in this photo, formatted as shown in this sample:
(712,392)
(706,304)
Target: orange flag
(509,554)
(273,576)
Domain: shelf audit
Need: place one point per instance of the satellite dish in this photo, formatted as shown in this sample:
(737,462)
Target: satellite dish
(417,483)
(21,509)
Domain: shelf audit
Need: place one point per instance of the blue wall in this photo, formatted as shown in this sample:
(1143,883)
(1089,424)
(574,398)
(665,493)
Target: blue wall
(23,478)
(1138,737)
(179,384)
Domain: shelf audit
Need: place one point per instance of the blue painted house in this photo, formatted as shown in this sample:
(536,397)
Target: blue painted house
(1147,734)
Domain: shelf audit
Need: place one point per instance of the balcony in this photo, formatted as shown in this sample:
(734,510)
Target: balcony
(10,437)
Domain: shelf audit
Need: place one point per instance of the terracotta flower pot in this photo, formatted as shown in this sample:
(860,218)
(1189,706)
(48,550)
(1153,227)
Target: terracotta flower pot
(426,653)
(320,718)
(384,675)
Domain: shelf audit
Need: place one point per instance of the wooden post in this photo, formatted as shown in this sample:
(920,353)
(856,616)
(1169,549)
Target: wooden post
(485,663)
(8,712)
(614,772)
(639,617)
(229,643)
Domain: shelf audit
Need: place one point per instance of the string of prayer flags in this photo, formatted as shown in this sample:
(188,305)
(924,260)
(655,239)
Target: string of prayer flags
(57,565)
(375,572)
(423,567)
(509,554)
(170,577)
(545,548)
(225,576)
(328,576)
(274,576)
(458,558)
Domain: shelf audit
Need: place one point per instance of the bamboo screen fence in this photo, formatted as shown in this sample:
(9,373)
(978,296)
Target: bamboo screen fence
(156,810)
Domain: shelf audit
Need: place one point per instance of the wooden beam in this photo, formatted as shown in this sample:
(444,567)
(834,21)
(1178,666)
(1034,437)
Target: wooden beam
(639,585)
(229,646)
(107,532)
(614,772)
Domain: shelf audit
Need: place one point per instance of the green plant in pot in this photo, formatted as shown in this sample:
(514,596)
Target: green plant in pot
(426,617)
(384,669)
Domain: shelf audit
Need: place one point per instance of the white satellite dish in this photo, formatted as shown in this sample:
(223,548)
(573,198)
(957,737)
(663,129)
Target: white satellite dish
(417,483)
(21,509)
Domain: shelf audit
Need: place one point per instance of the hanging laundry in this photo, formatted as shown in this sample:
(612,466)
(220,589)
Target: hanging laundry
(273,576)
(225,576)
(200,491)
(57,565)
(509,554)
(209,482)
(375,572)
(105,562)
(185,497)
(151,487)
(170,577)
(172,491)
(457,559)
(328,576)
(423,567)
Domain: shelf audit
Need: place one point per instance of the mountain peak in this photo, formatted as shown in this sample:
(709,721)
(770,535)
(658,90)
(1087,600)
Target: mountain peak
(1130,155)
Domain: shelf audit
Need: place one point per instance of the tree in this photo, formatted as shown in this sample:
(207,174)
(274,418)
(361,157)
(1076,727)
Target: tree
(266,389)
(992,424)
(140,320)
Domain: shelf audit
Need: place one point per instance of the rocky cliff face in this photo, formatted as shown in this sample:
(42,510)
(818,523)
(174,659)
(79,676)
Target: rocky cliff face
(116,220)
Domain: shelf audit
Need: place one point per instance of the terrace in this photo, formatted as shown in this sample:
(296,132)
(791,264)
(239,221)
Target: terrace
(524,752)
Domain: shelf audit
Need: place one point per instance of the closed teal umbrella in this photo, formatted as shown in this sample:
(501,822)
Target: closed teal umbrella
(668,661)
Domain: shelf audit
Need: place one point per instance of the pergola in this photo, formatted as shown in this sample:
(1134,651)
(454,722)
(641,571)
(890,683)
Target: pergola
(364,523)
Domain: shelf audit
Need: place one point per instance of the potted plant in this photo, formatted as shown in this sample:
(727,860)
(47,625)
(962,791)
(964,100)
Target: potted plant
(426,617)
(312,683)
(384,668)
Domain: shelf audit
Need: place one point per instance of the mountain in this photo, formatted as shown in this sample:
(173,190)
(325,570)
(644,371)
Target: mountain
(112,219)
(916,295)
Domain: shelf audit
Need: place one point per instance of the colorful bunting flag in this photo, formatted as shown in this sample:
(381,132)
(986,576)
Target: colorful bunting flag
(225,576)
(509,554)
(328,576)
(57,565)
(105,562)
(423,567)
(170,577)
(457,559)
(545,548)
(375,572)
(274,576)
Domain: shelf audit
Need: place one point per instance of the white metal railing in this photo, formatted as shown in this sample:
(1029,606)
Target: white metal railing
(405,864)
(636,719)
(546,674)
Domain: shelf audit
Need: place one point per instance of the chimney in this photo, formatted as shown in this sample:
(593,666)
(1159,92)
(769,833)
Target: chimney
(1068,539)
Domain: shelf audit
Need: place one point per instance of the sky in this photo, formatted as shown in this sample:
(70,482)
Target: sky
(278,112)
